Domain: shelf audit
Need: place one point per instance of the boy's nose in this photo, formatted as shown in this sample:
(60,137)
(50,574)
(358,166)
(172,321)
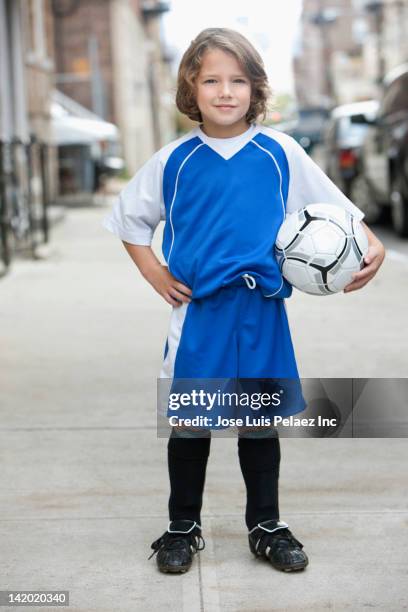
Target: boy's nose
(225,89)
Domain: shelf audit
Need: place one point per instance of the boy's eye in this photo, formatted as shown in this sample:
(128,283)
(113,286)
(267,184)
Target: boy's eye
(235,81)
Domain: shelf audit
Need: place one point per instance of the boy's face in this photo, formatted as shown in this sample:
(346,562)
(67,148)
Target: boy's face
(223,94)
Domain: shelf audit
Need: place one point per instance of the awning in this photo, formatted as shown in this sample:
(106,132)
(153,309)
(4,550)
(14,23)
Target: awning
(68,127)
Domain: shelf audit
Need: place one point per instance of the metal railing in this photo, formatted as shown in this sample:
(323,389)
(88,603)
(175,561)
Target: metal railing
(23,214)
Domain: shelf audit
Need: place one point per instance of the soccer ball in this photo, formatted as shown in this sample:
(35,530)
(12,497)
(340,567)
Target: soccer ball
(320,247)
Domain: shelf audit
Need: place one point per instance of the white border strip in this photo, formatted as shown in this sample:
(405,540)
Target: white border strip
(281,195)
(174,197)
(177,319)
(280,174)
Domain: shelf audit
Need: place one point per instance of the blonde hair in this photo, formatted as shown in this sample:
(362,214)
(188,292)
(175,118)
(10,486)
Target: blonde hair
(248,58)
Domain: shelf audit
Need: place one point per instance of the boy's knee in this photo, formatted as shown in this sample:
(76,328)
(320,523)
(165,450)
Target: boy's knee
(259,454)
(188,445)
(257,432)
(181,431)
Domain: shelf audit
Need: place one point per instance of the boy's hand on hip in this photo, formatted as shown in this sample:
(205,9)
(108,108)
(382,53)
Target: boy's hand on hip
(173,291)
(373,260)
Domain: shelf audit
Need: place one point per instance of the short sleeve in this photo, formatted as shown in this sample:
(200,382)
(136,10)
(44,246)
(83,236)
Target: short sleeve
(308,184)
(139,207)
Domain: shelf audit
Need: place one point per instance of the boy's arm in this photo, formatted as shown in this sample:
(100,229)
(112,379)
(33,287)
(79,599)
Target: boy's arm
(158,275)
(134,218)
(373,260)
(309,184)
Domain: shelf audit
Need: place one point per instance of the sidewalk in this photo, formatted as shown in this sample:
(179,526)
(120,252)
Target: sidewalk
(84,478)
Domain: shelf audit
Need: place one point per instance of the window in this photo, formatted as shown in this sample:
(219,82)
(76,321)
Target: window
(35,33)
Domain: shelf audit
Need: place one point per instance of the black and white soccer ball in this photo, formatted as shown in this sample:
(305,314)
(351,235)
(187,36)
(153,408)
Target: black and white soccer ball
(320,247)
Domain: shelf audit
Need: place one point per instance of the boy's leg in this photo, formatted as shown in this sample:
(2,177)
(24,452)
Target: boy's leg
(259,458)
(190,355)
(268,536)
(187,462)
(266,352)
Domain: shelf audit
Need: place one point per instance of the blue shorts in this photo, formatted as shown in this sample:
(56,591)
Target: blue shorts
(237,335)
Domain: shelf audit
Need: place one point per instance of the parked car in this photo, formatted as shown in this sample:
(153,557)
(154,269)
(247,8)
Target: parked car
(306,126)
(343,140)
(383,181)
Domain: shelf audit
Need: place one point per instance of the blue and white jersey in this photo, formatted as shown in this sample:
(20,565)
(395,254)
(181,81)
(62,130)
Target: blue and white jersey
(223,201)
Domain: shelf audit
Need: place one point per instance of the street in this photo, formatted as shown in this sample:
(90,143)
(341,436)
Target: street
(84,476)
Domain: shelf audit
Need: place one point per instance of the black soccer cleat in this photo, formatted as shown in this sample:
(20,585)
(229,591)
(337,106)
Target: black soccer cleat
(176,547)
(274,541)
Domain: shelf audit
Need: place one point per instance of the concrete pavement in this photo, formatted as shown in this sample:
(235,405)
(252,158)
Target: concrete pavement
(84,478)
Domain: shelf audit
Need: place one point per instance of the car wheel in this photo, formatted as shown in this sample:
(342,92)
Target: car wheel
(362,196)
(399,207)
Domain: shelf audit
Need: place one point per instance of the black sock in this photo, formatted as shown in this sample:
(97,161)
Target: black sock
(187,461)
(259,459)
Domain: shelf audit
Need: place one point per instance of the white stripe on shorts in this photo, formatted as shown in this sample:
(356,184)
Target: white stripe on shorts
(177,318)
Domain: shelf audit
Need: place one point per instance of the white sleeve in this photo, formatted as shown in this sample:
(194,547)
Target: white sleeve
(140,206)
(308,184)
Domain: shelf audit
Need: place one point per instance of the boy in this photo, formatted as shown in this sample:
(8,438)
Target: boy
(224,189)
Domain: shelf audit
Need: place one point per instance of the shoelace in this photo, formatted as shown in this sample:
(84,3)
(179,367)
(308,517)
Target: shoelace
(267,539)
(196,541)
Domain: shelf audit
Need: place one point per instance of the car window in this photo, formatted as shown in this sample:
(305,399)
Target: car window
(352,133)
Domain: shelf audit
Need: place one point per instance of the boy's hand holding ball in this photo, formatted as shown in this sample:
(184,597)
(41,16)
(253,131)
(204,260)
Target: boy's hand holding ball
(373,260)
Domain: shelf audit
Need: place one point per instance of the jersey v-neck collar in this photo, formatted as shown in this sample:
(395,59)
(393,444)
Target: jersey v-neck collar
(228,147)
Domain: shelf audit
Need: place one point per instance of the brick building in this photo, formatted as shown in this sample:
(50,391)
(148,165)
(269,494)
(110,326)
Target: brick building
(327,48)
(346,47)
(27,68)
(110,58)
(28,164)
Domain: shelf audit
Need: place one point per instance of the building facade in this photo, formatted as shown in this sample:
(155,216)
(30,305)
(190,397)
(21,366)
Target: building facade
(28,162)
(346,49)
(110,59)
